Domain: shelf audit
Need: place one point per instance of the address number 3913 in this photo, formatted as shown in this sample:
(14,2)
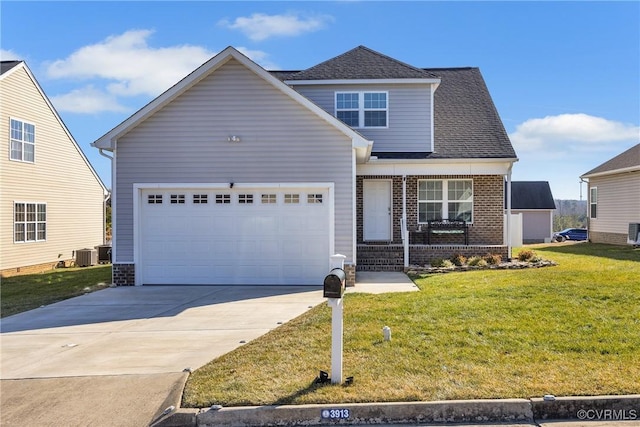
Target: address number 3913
(339,414)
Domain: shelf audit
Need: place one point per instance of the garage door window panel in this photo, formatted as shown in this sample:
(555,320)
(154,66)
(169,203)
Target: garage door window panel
(223,199)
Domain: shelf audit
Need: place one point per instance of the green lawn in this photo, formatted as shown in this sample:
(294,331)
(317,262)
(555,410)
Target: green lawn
(572,329)
(29,291)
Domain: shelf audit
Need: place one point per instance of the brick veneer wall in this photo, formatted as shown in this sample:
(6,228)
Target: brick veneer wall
(488,207)
(423,255)
(608,238)
(350,272)
(124,274)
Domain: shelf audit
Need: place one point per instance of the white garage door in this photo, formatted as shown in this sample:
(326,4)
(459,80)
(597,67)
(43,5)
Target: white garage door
(239,236)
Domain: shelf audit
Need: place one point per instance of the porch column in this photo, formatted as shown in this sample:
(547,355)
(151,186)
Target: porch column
(404,232)
(509,212)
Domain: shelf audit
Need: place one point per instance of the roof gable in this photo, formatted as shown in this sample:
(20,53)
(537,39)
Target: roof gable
(531,195)
(6,66)
(107,141)
(11,67)
(627,161)
(361,63)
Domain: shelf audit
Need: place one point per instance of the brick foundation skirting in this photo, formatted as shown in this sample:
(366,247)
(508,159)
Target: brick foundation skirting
(423,254)
(124,274)
(36,268)
(608,238)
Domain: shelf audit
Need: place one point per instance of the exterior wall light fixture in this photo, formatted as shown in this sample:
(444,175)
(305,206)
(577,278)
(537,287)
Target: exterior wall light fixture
(233,138)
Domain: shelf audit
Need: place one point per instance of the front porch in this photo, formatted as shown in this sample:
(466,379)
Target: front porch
(390,257)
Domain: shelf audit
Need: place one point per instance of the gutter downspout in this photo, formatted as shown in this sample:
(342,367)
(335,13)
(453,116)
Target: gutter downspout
(405,238)
(104,203)
(509,212)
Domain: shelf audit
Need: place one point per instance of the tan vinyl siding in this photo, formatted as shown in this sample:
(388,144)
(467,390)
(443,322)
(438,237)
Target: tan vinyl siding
(186,142)
(618,202)
(409,126)
(60,177)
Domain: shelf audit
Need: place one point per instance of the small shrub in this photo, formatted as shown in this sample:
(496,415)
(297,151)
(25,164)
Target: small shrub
(439,262)
(458,259)
(527,255)
(474,260)
(492,259)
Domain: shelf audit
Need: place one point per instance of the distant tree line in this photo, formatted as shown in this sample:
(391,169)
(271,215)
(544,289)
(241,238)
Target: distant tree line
(570,214)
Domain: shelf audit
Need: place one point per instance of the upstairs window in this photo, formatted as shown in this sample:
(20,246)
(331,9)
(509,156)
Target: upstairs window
(23,141)
(363,109)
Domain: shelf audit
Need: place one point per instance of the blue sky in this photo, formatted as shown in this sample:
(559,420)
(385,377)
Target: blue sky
(565,76)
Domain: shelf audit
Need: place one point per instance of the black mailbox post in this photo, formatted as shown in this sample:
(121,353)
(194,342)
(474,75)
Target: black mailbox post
(334,283)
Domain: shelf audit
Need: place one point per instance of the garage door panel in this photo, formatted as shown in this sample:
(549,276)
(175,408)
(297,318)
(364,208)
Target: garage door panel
(279,238)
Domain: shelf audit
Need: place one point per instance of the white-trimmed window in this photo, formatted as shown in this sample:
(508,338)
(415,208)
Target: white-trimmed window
(154,199)
(200,199)
(223,199)
(292,198)
(245,199)
(363,109)
(22,141)
(445,199)
(269,199)
(177,199)
(29,222)
(593,202)
(314,198)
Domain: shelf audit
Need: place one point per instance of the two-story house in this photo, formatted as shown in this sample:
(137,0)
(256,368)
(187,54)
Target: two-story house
(614,198)
(238,175)
(51,199)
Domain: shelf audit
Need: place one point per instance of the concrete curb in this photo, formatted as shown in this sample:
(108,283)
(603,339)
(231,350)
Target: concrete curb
(172,403)
(599,408)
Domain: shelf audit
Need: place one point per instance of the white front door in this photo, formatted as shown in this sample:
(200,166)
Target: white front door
(376,208)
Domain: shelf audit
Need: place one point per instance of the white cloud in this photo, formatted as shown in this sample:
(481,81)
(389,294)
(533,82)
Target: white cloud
(260,26)
(87,100)
(125,65)
(133,67)
(9,55)
(568,132)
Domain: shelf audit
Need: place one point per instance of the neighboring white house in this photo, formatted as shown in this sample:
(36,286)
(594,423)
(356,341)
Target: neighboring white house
(51,199)
(238,175)
(614,197)
(534,200)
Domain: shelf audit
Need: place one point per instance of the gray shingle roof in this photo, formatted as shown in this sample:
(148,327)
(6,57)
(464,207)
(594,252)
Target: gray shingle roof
(628,159)
(531,195)
(7,65)
(466,122)
(361,63)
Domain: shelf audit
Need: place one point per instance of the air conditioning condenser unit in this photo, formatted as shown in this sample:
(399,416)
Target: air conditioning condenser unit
(634,234)
(86,257)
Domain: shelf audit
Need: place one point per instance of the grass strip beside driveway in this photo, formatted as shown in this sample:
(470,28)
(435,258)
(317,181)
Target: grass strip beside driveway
(29,291)
(573,329)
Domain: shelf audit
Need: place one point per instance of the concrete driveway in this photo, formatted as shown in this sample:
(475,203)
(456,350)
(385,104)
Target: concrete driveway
(116,357)
(144,330)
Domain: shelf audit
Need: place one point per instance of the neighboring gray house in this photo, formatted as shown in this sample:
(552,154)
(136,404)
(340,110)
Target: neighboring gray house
(614,197)
(238,175)
(534,200)
(51,199)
